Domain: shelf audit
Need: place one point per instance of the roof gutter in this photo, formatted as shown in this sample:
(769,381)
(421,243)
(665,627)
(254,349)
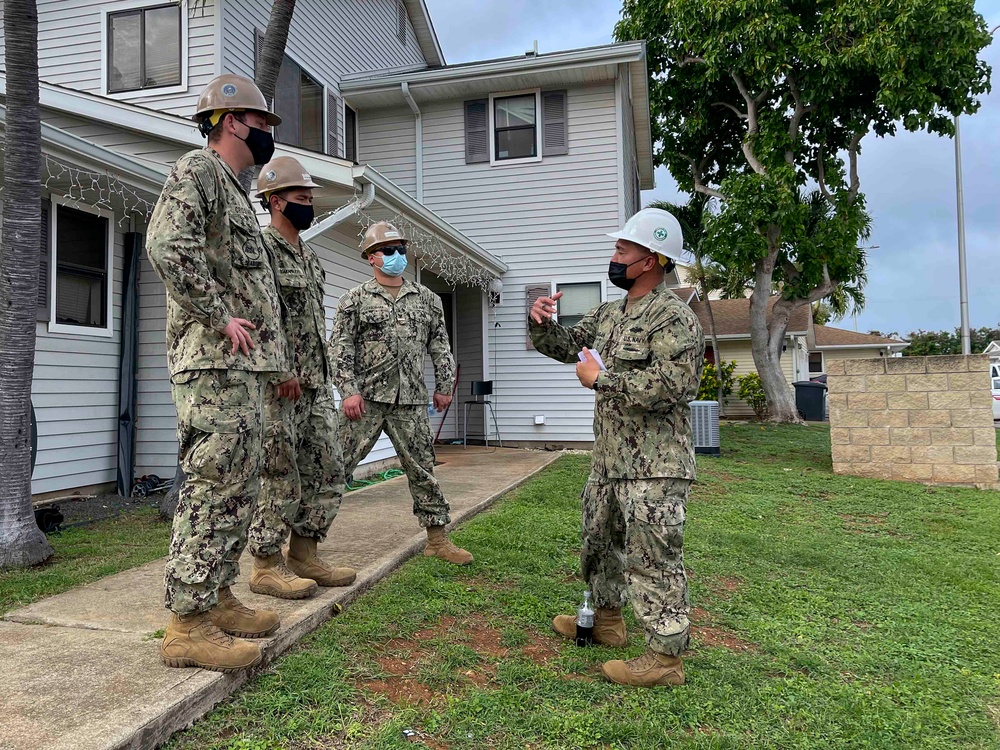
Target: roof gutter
(901,345)
(342,214)
(418,124)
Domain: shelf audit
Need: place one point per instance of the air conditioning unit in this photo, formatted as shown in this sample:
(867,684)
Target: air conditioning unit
(705,427)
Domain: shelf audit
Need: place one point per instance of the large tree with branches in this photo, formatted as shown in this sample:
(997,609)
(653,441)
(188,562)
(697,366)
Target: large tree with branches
(757,102)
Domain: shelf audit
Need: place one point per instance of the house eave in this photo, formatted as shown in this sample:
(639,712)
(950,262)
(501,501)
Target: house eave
(491,72)
(423,27)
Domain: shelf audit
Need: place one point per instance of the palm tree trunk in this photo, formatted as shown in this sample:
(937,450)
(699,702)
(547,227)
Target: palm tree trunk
(273,52)
(21,541)
(269,61)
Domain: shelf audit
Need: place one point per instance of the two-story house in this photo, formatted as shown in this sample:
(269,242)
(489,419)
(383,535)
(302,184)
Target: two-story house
(507,174)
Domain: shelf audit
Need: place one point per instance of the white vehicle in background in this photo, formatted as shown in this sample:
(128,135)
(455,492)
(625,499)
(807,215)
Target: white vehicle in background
(995,385)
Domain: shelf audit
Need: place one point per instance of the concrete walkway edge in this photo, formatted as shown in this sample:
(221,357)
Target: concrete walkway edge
(317,611)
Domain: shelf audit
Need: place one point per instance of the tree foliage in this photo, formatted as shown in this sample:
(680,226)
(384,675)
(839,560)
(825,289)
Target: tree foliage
(927,343)
(754,102)
(752,391)
(717,384)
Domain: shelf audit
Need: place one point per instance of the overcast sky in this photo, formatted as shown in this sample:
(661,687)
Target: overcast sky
(909,180)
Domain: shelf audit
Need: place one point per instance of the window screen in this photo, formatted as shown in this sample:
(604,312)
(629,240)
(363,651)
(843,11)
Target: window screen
(577,301)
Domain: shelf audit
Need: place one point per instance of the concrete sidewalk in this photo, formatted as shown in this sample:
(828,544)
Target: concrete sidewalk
(82,670)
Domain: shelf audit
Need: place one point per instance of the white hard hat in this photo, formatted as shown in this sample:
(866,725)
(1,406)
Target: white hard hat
(657,231)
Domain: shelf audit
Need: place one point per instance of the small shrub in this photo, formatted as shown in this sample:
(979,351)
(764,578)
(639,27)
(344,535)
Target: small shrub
(752,391)
(709,388)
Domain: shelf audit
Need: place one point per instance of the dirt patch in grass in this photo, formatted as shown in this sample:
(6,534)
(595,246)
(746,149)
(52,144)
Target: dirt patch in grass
(725,586)
(707,635)
(867,524)
(401,690)
(480,582)
(401,659)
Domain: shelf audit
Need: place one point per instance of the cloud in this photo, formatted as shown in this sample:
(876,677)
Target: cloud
(909,180)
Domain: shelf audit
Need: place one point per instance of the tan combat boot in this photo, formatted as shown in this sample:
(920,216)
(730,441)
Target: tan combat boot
(271,578)
(609,627)
(439,545)
(304,562)
(232,616)
(194,641)
(649,670)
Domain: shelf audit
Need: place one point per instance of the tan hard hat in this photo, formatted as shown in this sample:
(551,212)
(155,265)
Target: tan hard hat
(232,93)
(380,233)
(280,173)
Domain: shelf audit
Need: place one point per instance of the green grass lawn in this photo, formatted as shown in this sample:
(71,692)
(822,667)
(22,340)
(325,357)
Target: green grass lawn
(831,612)
(86,553)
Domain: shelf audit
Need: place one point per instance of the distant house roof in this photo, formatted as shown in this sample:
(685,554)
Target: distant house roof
(688,294)
(827,337)
(992,348)
(732,317)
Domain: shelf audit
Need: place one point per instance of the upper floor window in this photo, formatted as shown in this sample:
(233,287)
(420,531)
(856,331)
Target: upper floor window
(299,100)
(144,48)
(515,127)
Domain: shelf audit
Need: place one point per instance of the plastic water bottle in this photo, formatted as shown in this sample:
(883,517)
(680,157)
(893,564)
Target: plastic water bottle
(585,622)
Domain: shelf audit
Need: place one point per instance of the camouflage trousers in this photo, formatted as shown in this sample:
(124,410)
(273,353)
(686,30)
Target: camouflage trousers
(302,480)
(220,419)
(633,539)
(409,429)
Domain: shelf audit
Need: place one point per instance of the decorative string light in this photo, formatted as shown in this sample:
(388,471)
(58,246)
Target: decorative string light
(82,188)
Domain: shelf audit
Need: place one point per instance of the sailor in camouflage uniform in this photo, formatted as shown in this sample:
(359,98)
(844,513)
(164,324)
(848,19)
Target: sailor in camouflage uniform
(382,332)
(643,460)
(224,342)
(302,481)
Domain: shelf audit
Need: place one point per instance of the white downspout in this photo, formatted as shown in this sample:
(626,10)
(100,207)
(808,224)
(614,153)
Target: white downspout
(365,200)
(418,123)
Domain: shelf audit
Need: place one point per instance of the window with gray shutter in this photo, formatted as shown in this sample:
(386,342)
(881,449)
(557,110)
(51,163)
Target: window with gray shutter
(555,138)
(332,117)
(531,293)
(401,21)
(258,49)
(477,131)
(350,134)
(43,265)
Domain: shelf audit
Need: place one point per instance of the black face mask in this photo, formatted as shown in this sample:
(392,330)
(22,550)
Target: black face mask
(299,215)
(260,143)
(617,271)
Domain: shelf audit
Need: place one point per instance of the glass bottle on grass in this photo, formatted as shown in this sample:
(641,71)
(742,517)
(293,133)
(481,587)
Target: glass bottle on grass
(585,622)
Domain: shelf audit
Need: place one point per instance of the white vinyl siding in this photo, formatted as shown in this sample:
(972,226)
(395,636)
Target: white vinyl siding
(547,221)
(387,141)
(70,50)
(75,395)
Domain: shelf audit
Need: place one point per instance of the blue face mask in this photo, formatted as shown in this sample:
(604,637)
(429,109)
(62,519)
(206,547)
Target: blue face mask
(393,265)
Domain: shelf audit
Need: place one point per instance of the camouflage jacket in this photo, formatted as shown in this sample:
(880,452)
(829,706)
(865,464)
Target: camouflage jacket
(204,242)
(654,354)
(379,344)
(300,277)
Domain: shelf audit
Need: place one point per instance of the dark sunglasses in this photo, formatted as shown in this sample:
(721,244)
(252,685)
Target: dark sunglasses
(392,250)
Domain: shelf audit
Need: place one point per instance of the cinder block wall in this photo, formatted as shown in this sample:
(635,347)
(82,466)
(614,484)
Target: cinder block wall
(920,419)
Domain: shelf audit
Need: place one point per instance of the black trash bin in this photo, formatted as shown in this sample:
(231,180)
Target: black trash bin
(810,399)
